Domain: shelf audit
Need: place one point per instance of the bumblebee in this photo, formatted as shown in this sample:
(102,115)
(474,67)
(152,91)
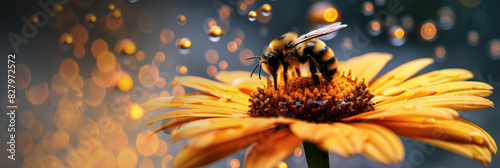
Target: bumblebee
(287,52)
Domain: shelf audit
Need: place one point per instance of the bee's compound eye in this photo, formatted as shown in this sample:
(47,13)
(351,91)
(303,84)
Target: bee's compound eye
(271,56)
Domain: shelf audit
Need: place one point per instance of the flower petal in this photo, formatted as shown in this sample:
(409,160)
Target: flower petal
(479,153)
(399,74)
(190,101)
(218,89)
(398,112)
(325,136)
(213,124)
(197,157)
(268,151)
(367,65)
(437,77)
(206,112)
(375,141)
(447,130)
(226,135)
(453,102)
(386,139)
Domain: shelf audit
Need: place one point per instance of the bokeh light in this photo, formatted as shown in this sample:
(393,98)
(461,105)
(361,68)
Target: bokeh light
(374,27)
(473,38)
(494,46)
(397,36)
(446,18)
(368,8)
(135,111)
(428,31)
(440,53)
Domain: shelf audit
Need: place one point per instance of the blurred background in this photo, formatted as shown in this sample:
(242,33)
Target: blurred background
(83,66)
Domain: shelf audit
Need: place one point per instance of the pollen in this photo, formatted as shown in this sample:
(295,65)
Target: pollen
(333,100)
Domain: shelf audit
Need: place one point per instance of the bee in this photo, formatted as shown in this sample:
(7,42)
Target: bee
(288,52)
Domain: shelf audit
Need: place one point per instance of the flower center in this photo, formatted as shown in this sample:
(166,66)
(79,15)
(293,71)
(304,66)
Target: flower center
(342,97)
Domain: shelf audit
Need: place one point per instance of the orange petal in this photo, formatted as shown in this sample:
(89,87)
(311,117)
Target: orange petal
(268,151)
(367,65)
(479,153)
(399,74)
(197,157)
(395,113)
(175,122)
(206,112)
(410,94)
(214,124)
(225,135)
(214,88)
(190,102)
(448,130)
(437,77)
(453,102)
(392,142)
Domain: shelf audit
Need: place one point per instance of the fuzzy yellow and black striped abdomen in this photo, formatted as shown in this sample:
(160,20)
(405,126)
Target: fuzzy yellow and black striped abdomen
(327,63)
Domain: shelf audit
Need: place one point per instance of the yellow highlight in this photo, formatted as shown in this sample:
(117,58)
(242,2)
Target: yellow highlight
(399,33)
(68,40)
(135,112)
(330,14)
(117,13)
(125,83)
(252,14)
(266,8)
(111,7)
(282,165)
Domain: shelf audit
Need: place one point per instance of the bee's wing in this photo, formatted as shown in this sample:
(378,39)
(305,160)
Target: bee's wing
(319,32)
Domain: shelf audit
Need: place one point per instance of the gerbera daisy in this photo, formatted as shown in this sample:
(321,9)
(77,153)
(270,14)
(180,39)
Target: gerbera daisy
(356,114)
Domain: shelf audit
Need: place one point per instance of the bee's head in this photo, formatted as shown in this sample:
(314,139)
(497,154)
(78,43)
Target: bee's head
(271,62)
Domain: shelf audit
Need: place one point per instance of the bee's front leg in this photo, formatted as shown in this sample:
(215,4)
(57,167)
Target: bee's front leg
(313,64)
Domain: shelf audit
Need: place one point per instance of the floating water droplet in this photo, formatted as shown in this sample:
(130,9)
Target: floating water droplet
(368,8)
(181,19)
(266,9)
(65,41)
(215,33)
(252,16)
(184,44)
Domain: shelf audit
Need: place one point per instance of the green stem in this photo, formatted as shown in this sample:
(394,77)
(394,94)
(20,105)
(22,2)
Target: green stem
(316,158)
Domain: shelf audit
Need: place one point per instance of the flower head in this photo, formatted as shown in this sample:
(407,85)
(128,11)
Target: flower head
(352,114)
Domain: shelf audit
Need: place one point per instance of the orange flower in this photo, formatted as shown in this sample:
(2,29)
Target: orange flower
(353,114)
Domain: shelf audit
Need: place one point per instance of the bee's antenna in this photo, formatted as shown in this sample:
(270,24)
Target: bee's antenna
(260,62)
(249,58)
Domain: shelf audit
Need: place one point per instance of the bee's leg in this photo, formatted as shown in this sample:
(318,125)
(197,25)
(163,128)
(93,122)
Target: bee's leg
(275,80)
(313,67)
(285,76)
